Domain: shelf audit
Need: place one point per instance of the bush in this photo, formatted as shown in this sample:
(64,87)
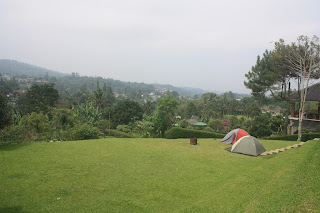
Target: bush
(123,128)
(62,119)
(17,134)
(36,122)
(305,137)
(84,132)
(102,125)
(119,134)
(215,124)
(174,133)
(260,126)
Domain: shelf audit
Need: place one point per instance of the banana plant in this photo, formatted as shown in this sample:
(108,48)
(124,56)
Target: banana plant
(88,113)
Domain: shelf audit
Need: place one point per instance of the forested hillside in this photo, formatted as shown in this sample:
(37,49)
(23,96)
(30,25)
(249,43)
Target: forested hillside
(74,107)
(16,68)
(73,82)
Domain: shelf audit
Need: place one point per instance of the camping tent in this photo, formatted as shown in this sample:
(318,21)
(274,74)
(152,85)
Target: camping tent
(248,145)
(233,136)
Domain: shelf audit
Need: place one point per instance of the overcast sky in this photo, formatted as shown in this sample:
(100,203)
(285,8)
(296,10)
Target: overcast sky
(204,44)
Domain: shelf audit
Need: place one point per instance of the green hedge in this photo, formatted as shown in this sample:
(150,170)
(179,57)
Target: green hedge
(305,137)
(175,132)
(119,134)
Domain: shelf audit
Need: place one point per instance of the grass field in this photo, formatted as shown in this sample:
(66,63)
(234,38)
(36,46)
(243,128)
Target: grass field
(157,175)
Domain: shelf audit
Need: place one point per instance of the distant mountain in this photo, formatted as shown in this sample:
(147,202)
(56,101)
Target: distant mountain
(17,68)
(73,82)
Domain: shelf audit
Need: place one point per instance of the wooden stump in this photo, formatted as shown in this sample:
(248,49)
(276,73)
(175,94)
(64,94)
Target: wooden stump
(193,141)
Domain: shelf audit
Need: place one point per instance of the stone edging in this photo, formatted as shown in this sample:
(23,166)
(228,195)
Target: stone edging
(271,152)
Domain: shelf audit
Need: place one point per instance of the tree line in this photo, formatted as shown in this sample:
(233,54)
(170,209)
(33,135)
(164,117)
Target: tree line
(42,113)
(276,70)
(52,111)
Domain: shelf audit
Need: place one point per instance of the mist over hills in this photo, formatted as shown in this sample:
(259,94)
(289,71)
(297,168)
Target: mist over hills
(74,81)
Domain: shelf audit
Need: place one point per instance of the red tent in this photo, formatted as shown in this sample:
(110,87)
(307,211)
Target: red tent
(233,136)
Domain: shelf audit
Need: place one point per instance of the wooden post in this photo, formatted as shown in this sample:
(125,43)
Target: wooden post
(193,141)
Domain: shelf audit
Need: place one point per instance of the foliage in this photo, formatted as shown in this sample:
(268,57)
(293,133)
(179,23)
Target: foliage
(277,124)
(109,96)
(4,111)
(304,60)
(191,109)
(85,132)
(126,111)
(216,125)
(263,76)
(208,129)
(103,125)
(74,82)
(149,107)
(98,98)
(145,127)
(36,122)
(272,75)
(87,113)
(62,118)
(39,98)
(119,134)
(183,123)
(17,134)
(164,115)
(208,106)
(235,123)
(260,126)
(175,132)
(305,137)
(141,115)
(123,128)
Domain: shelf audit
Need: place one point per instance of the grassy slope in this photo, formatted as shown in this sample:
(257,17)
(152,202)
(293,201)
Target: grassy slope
(144,175)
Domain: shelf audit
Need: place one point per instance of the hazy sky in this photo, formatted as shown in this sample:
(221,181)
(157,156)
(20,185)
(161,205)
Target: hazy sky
(205,44)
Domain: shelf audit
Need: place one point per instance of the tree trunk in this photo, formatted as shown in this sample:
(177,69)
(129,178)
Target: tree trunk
(302,101)
(304,91)
(286,115)
(286,119)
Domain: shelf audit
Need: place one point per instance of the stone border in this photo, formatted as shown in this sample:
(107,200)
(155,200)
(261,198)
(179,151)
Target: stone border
(271,152)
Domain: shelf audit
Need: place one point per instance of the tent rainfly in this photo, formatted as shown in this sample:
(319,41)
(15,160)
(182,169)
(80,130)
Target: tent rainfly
(233,136)
(248,145)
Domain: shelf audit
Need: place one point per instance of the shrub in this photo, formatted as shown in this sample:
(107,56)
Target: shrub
(84,132)
(208,129)
(216,124)
(260,126)
(62,119)
(36,122)
(102,125)
(119,134)
(174,133)
(124,128)
(17,134)
(305,137)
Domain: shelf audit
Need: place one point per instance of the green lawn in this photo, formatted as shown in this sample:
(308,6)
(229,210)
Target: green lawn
(157,175)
